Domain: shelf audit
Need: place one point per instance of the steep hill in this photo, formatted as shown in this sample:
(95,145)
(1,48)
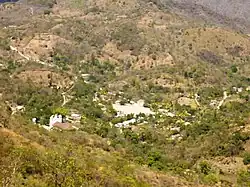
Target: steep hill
(225,13)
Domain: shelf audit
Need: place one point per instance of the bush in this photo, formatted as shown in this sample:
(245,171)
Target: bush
(128,37)
(211,178)
(234,69)
(93,112)
(47,12)
(246,159)
(11,65)
(84,90)
(61,110)
(4,44)
(233,145)
(243,178)
(117,120)
(155,160)
(61,61)
(205,168)
(124,101)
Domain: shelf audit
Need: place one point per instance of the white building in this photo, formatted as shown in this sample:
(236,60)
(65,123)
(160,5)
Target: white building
(57,118)
(133,108)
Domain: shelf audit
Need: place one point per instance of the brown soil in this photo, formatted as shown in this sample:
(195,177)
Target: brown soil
(44,77)
(41,46)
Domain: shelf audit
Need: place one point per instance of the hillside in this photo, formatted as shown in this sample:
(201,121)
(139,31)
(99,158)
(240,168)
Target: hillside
(124,93)
(225,12)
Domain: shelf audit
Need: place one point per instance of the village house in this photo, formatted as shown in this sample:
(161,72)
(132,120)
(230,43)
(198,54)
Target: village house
(59,121)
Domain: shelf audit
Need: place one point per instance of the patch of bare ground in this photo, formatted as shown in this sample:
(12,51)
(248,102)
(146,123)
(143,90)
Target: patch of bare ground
(17,14)
(45,78)
(41,46)
(158,179)
(65,12)
(142,61)
(228,166)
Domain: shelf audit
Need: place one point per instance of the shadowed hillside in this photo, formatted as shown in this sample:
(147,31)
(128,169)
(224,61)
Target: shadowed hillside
(234,14)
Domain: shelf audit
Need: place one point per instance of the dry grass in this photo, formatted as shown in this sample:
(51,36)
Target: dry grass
(19,140)
(43,77)
(216,40)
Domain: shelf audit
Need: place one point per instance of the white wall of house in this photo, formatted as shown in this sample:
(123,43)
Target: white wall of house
(54,119)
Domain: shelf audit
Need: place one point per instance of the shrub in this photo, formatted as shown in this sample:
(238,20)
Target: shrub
(4,44)
(235,51)
(234,69)
(243,178)
(233,145)
(153,158)
(123,101)
(61,61)
(47,12)
(11,65)
(246,159)
(61,110)
(205,168)
(127,35)
(211,178)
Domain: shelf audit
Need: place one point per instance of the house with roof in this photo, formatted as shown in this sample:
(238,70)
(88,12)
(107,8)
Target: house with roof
(65,126)
(59,122)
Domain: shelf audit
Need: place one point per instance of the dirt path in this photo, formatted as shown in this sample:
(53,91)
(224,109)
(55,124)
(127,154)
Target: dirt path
(30,58)
(225,96)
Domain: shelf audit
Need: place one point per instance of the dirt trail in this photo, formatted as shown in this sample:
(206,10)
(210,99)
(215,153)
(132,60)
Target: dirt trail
(225,96)
(30,58)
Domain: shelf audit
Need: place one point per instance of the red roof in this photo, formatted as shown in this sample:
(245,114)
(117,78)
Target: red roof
(63,126)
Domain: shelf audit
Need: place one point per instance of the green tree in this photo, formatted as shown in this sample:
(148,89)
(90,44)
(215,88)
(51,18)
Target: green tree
(205,168)
(61,110)
(246,159)
(234,69)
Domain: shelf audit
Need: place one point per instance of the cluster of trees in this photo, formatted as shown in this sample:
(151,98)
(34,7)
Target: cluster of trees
(148,145)
(100,72)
